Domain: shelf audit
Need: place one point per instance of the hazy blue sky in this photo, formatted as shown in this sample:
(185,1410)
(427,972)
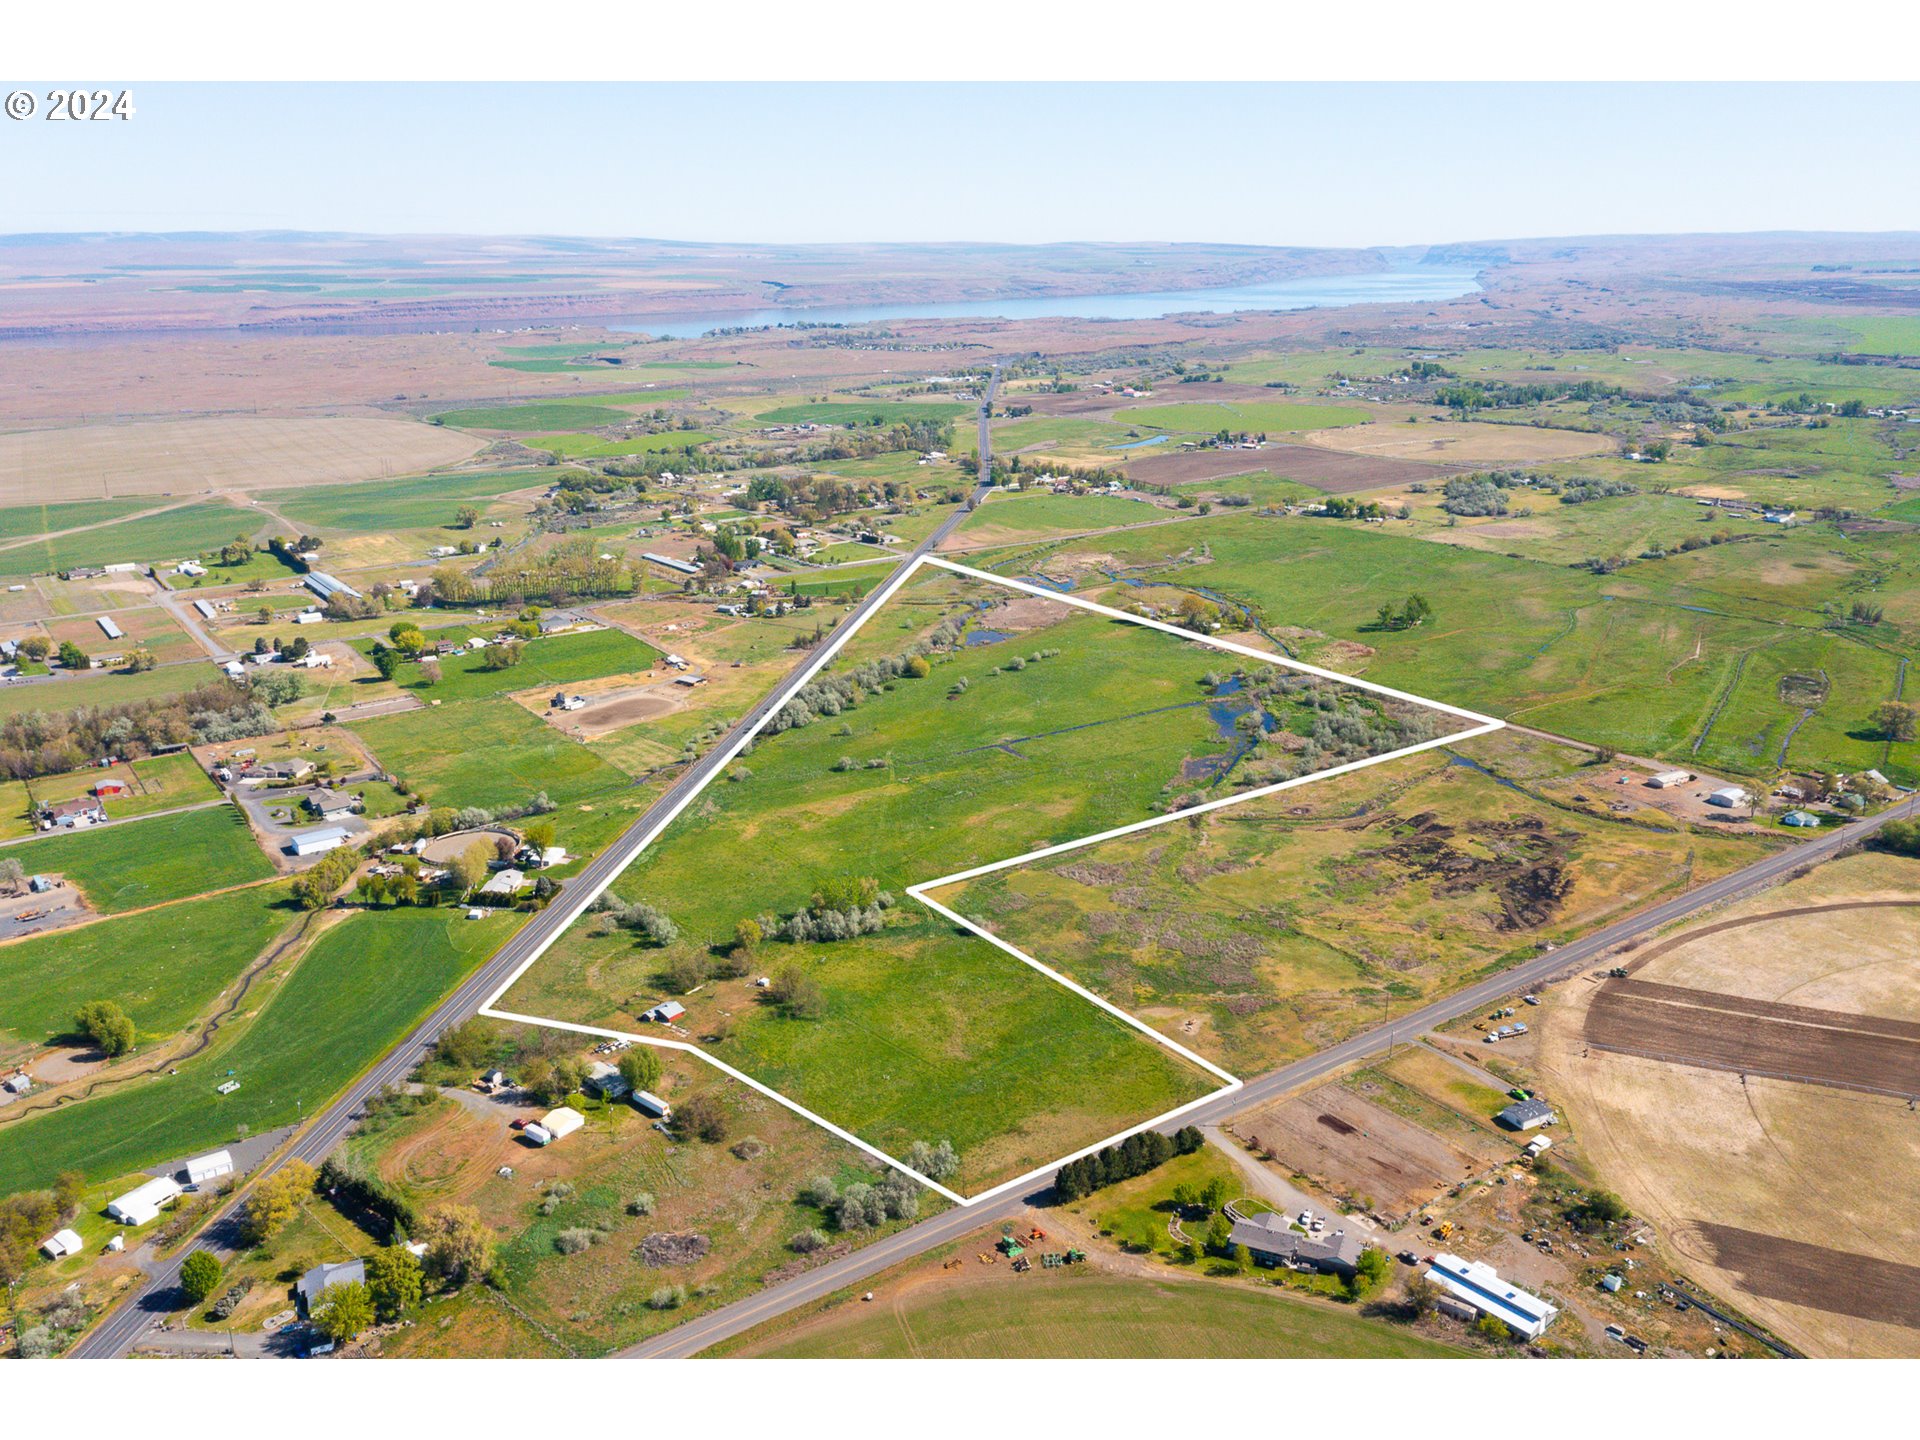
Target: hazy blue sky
(1282,164)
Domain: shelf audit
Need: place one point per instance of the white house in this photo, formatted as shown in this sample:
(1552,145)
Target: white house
(137,1207)
(209,1167)
(61,1243)
(315,660)
(1480,1286)
(504,882)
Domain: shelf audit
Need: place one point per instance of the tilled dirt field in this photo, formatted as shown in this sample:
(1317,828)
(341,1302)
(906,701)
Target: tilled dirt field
(1329,470)
(1756,1037)
(1793,1271)
(1350,1146)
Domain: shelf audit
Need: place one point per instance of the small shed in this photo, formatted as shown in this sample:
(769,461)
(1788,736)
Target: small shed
(666,1012)
(209,1167)
(1526,1115)
(60,1244)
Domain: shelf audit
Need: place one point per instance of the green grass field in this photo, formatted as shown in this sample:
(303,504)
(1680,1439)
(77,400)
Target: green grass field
(128,864)
(588,412)
(863,412)
(595,447)
(1014,518)
(19,521)
(1257,416)
(163,966)
(489,753)
(162,782)
(550,660)
(1081,1314)
(101,687)
(402,504)
(174,535)
(906,786)
(356,992)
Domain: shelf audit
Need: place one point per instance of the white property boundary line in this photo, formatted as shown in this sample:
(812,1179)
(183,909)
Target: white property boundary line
(1478,725)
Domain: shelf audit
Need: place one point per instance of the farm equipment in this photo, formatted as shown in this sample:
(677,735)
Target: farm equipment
(1036,1234)
(1022,1265)
(987,1257)
(1076,1257)
(953,1264)
(1052,1261)
(1011,1247)
(1444,1230)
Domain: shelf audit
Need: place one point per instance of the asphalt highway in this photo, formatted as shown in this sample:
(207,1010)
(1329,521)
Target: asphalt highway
(160,1296)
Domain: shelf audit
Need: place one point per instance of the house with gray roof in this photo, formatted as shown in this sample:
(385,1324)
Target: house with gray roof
(313,1286)
(1272,1241)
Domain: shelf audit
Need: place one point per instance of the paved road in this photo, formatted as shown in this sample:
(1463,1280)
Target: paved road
(730,1320)
(160,1295)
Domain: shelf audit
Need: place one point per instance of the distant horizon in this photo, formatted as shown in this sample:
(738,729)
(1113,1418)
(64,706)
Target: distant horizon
(1598,237)
(1342,166)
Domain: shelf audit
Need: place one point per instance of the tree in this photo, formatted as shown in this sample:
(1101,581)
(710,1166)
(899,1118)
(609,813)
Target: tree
(747,936)
(702,1115)
(12,872)
(387,661)
(394,1281)
(1494,1328)
(1369,1271)
(919,668)
(107,1025)
(1219,1235)
(459,1244)
(1597,1209)
(199,1273)
(140,661)
(470,866)
(1896,720)
(465,518)
(640,1067)
(346,1311)
(1422,1296)
(274,1201)
(73,657)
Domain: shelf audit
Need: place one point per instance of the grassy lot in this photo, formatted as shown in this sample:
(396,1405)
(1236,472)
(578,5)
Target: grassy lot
(356,991)
(1273,929)
(125,865)
(1017,518)
(163,782)
(1089,1315)
(163,966)
(598,447)
(489,753)
(1107,723)
(1638,660)
(550,660)
(19,521)
(98,687)
(172,535)
(402,504)
(585,413)
(1255,416)
(863,412)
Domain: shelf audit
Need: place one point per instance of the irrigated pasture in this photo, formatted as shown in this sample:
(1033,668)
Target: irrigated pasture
(354,993)
(1065,725)
(130,864)
(193,457)
(1253,416)
(1449,443)
(1327,470)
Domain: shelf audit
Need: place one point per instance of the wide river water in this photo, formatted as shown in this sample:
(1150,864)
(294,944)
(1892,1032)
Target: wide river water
(1310,292)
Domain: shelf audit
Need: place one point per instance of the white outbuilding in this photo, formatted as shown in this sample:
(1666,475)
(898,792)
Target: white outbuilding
(137,1207)
(209,1167)
(1730,797)
(61,1243)
(562,1122)
(313,842)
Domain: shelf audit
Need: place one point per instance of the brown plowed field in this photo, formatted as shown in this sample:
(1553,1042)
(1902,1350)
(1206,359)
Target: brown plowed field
(1328,470)
(1836,1281)
(1756,1037)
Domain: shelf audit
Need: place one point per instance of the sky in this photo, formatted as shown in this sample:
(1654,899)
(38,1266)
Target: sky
(1284,164)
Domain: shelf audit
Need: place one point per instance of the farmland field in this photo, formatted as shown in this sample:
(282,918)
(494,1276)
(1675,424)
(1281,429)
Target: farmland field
(128,864)
(162,966)
(1090,1315)
(860,412)
(1257,416)
(992,753)
(1007,519)
(177,534)
(549,660)
(171,457)
(356,991)
(429,500)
